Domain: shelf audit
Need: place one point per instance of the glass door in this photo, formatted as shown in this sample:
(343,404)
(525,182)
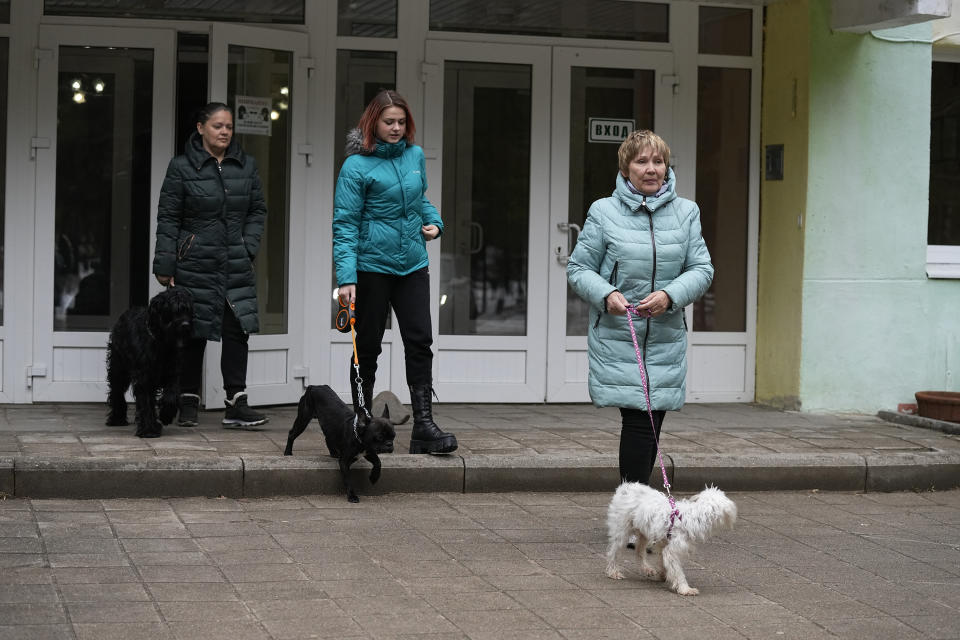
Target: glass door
(261,74)
(598,97)
(486,139)
(105,126)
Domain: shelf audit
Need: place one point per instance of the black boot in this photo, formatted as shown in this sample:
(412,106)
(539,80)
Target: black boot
(427,436)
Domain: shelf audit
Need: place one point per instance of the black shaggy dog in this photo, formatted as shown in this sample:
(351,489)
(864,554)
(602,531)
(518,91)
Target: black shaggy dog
(146,350)
(346,440)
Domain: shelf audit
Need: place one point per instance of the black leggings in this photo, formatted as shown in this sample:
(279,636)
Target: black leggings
(409,296)
(233,357)
(638,448)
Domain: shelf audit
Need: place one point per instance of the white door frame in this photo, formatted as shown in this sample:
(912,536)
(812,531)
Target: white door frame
(473,368)
(567,355)
(276,369)
(70,365)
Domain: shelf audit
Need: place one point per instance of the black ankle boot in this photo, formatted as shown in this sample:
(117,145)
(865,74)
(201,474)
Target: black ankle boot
(427,437)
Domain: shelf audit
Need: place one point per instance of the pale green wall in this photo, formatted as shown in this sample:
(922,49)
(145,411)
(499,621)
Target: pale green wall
(874,328)
(784,120)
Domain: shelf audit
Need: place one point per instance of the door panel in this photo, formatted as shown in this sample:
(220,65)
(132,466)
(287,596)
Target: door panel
(598,97)
(105,122)
(486,139)
(260,74)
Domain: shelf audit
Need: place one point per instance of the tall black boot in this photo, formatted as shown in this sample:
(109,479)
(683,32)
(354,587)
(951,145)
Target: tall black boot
(367,387)
(427,437)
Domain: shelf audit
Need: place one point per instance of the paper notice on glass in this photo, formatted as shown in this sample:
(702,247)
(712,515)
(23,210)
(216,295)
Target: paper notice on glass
(252,115)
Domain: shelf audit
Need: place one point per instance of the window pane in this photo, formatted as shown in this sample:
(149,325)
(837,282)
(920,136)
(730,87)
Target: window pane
(272,11)
(4,63)
(4,11)
(609,94)
(944,221)
(360,76)
(486,199)
(367,18)
(192,55)
(723,181)
(726,31)
(103,209)
(605,19)
(256,75)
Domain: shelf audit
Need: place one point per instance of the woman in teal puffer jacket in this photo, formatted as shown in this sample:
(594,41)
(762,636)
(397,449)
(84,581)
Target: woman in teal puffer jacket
(209,222)
(382,221)
(642,246)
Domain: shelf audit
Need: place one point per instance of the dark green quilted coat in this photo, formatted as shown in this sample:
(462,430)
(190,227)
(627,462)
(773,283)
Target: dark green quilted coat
(209,223)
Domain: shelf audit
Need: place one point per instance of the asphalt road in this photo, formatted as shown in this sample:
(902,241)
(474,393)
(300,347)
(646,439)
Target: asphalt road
(521,565)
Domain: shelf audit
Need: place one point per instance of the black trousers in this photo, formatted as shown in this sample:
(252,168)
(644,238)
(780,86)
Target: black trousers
(233,357)
(638,446)
(409,296)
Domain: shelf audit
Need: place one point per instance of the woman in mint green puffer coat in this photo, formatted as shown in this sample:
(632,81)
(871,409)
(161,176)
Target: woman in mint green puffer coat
(640,246)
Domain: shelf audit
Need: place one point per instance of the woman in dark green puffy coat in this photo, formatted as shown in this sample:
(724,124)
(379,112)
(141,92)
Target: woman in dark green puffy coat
(209,223)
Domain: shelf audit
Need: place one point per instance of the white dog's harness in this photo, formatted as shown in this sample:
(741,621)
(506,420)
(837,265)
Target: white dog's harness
(674,512)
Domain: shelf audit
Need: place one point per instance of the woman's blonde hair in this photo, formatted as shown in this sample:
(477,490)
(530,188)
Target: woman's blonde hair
(636,142)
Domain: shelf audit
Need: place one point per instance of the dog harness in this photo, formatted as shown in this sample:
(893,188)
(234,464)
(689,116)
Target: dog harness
(674,512)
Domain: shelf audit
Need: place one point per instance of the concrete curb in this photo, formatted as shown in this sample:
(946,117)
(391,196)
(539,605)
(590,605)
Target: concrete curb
(906,471)
(291,475)
(262,476)
(919,421)
(770,472)
(492,473)
(6,477)
(49,477)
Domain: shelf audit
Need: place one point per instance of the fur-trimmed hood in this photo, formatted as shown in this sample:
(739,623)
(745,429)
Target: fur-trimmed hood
(355,143)
(383,149)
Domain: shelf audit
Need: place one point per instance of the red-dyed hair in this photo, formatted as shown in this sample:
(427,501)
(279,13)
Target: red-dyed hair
(371,115)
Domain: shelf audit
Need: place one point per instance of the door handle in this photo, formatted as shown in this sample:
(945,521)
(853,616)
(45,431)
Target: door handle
(567,227)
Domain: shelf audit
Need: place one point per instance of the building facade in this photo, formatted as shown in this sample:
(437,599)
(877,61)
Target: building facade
(520,107)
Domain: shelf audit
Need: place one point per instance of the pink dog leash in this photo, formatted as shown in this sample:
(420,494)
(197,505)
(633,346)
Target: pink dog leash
(674,512)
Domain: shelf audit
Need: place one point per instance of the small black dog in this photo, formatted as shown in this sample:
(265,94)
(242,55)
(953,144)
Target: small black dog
(146,350)
(345,440)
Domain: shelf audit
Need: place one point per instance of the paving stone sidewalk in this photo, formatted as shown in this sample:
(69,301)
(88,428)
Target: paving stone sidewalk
(802,565)
(47,448)
(490,429)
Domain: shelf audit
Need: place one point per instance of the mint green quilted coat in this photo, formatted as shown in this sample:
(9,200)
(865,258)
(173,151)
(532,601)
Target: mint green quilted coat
(638,244)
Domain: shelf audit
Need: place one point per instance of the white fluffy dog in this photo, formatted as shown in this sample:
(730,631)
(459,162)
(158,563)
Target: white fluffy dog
(638,510)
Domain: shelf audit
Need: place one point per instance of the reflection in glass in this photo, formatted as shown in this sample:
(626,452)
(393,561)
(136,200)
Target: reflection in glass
(193,50)
(103,209)
(944,220)
(367,18)
(599,93)
(723,186)
(601,19)
(4,60)
(360,76)
(485,199)
(265,134)
(269,11)
(726,31)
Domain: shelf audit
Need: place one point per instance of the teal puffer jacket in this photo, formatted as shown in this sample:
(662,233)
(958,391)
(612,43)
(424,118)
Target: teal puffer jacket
(209,223)
(379,209)
(639,244)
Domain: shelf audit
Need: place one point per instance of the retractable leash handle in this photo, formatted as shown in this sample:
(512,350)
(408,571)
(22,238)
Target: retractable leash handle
(674,512)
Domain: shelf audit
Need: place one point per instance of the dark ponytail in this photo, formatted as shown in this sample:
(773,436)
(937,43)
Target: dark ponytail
(205,112)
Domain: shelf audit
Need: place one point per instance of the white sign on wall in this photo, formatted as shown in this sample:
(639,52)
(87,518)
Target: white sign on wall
(252,115)
(609,129)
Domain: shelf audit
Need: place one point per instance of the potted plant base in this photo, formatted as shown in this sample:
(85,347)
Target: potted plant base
(939,405)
